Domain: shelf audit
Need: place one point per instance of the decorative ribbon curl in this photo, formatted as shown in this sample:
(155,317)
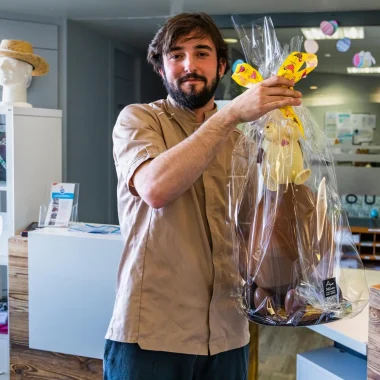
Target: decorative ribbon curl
(246,76)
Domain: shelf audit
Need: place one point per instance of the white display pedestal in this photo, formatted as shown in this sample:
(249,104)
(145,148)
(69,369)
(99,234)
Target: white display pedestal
(72,289)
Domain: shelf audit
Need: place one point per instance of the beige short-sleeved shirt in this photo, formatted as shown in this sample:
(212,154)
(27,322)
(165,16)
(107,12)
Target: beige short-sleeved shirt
(174,280)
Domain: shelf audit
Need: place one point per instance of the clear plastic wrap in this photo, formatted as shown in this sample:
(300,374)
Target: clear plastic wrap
(295,262)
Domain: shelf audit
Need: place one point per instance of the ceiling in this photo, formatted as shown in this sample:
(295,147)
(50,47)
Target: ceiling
(135,21)
(338,62)
(103,9)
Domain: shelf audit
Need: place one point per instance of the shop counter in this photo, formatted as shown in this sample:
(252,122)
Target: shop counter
(351,333)
(347,359)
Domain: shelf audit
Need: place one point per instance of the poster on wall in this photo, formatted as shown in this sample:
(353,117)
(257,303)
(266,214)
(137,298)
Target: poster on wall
(349,129)
(338,127)
(331,125)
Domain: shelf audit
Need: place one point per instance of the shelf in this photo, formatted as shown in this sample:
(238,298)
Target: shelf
(348,256)
(370,257)
(367,244)
(358,230)
(37,112)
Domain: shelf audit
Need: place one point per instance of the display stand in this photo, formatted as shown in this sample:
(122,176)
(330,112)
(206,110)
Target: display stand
(53,210)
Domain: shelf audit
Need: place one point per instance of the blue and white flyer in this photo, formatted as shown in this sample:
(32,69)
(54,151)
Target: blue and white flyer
(60,205)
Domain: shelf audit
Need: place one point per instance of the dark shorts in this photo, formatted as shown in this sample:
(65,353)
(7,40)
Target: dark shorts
(127,361)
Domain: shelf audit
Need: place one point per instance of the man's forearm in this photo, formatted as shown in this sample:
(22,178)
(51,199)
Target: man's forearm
(170,174)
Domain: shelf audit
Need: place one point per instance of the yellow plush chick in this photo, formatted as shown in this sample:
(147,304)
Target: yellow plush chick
(283,160)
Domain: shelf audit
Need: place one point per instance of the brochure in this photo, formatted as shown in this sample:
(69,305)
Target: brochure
(95,228)
(60,205)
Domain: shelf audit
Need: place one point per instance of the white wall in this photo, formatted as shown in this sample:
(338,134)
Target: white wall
(90,116)
(342,93)
(87,119)
(346,93)
(82,83)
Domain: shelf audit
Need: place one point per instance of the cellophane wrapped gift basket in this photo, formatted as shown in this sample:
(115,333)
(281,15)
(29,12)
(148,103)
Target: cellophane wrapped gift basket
(294,259)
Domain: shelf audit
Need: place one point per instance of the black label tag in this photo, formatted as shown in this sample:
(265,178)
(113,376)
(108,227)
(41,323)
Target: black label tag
(329,287)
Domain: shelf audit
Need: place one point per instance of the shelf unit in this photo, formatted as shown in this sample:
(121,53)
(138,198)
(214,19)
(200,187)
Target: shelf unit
(368,244)
(31,159)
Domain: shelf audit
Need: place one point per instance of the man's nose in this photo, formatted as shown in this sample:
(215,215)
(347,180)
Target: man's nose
(190,65)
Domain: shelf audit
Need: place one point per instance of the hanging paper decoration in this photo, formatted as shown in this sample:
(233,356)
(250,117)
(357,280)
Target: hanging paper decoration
(357,60)
(343,45)
(311,46)
(237,62)
(335,25)
(363,59)
(327,28)
(368,59)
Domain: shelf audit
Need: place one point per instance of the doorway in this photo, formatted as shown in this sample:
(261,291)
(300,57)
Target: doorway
(125,85)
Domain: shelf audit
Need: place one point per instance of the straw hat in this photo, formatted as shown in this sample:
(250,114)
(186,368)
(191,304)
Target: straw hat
(23,51)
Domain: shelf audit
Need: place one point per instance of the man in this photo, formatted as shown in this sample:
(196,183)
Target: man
(174,317)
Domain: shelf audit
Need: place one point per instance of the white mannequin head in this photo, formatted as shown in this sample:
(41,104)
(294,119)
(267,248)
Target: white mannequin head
(15,76)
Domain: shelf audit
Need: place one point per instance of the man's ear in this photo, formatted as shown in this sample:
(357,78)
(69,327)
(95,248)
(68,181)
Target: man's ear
(222,67)
(161,71)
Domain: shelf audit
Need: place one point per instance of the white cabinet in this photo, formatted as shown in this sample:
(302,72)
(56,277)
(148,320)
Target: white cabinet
(33,139)
(72,289)
(30,160)
(330,364)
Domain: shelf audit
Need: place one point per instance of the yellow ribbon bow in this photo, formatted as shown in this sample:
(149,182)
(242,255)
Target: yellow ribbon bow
(246,76)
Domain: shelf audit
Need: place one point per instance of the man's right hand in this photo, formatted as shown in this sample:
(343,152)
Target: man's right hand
(270,94)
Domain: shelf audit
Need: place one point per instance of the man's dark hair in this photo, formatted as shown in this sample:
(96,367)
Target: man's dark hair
(181,25)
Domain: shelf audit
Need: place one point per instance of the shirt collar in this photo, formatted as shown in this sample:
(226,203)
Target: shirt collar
(185,113)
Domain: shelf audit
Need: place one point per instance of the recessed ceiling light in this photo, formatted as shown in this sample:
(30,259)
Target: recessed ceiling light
(230,40)
(363,70)
(313,87)
(328,55)
(352,32)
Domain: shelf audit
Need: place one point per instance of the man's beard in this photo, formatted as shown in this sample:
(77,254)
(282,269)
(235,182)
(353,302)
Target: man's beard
(194,98)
